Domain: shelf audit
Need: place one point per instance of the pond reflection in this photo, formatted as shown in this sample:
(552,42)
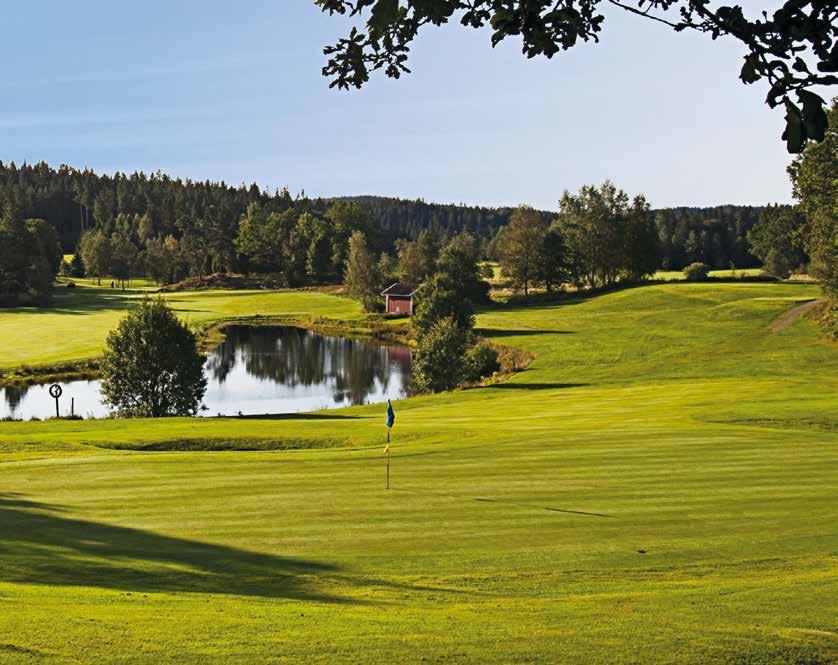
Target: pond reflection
(259,370)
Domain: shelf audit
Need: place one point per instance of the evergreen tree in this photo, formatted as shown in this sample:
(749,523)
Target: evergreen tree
(553,267)
(361,277)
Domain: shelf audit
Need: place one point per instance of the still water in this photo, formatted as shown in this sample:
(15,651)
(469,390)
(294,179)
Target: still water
(258,370)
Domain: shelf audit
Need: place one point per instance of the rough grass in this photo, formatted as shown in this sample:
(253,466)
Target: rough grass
(627,499)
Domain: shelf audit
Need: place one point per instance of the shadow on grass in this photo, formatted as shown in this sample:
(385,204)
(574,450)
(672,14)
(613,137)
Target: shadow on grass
(40,545)
(535,386)
(297,416)
(502,501)
(489,332)
(90,300)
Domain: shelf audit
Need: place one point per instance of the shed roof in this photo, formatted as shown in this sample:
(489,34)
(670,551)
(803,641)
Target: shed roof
(399,289)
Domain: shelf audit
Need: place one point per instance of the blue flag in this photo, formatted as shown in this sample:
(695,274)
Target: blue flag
(391,417)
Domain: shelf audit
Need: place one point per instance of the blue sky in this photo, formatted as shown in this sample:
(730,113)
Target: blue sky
(233,91)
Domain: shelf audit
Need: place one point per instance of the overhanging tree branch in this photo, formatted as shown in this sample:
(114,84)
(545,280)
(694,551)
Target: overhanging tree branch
(795,48)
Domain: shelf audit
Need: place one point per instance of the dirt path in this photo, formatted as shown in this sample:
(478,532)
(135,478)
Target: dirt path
(785,320)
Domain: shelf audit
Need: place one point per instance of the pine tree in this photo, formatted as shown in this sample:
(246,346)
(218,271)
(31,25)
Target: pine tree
(361,276)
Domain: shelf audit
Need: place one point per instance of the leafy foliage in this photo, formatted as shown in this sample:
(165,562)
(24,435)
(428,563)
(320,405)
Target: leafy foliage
(611,236)
(151,367)
(814,177)
(481,361)
(794,49)
(30,257)
(438,363)
(697,272)
(717,236)
(362,276)
(417,259)
(778,240)
(439,298)
(459,261)
(520,247)
(179,229)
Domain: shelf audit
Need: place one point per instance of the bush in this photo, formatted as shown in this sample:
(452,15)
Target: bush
(151,366)
(827,317)
(481,361)
(697,272)
(439,361)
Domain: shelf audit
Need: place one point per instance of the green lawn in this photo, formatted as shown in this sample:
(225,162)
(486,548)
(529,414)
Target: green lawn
(76,326)
(659,487)
(678,275)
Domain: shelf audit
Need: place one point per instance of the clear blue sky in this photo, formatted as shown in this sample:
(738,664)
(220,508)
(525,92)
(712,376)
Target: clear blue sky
(233,91)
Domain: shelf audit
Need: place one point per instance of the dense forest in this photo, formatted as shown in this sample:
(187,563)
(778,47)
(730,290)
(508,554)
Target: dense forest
(715,235)
(170,229)
(72,201)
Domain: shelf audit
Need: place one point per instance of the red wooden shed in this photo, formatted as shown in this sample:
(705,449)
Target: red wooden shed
(398,298)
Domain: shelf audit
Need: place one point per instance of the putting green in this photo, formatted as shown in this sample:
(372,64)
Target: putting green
(659,486)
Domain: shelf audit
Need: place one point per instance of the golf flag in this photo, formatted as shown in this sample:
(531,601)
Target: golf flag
(391,417)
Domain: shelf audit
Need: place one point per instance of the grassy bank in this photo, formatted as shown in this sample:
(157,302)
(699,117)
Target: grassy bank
(658,486)
(52,341)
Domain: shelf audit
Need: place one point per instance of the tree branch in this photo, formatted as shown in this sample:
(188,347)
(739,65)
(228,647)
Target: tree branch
(645,14)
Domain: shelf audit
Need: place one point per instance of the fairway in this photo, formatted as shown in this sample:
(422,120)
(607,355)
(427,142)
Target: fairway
(659,486)
(74,328)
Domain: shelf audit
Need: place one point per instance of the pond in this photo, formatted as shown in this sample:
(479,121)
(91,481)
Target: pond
(258,370)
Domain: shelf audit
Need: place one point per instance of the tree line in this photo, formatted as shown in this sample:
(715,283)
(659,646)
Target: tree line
(203,218)
(716,235)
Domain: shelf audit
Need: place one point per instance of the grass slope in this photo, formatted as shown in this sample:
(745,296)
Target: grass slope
(658,487)
(76,326)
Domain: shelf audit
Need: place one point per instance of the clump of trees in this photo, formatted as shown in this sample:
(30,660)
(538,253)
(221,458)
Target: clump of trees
(807,234)
(778,240)
(30,257)
(717,236)
(443,322)
(520,248)
(151,367)
(599,237)
(417,262)
(611,235)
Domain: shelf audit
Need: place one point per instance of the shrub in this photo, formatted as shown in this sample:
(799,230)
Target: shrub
(439,361)
(696,272)
(481,361)
(827,317)
(151,366)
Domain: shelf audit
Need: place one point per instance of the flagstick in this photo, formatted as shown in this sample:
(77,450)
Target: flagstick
(388,458)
